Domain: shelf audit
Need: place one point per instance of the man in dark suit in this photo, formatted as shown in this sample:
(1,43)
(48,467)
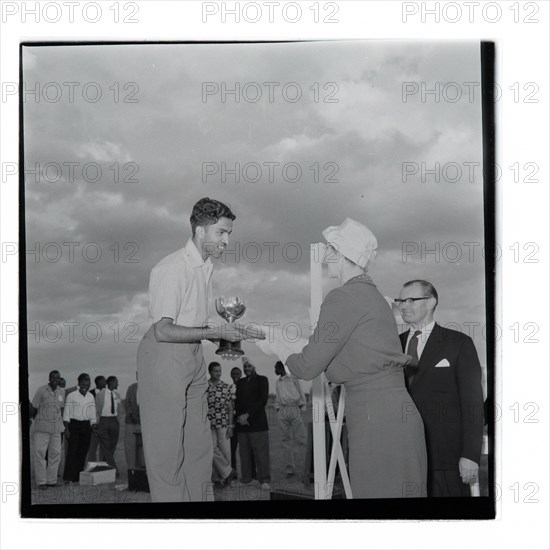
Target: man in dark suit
(444,381)
(252,427)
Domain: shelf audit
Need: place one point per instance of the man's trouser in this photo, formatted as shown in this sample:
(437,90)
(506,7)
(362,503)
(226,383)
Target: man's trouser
(221,466)
(107,435)
(78,444)
(254,444)
(446,483)
(234,443)
(174,420)
(130,445)
(46,471)
(293,434)
(92,451)
(62,455)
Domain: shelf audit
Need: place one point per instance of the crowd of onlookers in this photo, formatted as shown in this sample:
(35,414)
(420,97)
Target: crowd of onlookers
(238,419)
(77,425)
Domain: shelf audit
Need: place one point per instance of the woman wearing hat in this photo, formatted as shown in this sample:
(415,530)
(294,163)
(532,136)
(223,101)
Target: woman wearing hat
(356,344)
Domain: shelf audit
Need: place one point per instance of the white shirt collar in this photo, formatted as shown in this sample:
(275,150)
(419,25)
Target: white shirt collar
(194,256)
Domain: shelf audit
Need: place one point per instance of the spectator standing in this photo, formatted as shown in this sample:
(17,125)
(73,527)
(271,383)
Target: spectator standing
(107,404)
(100,383)
(236,375)
(289,402)
(49,401)
(252,427)
(220,415)
(132,425)
(79,418)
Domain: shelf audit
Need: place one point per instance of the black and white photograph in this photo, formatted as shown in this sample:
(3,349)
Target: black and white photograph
(258,275)
(274,274)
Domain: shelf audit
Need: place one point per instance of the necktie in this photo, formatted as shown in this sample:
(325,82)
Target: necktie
(112,403)
(412,350)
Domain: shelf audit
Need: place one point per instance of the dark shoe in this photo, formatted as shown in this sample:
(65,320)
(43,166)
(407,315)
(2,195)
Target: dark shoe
(43,487)
(52,485)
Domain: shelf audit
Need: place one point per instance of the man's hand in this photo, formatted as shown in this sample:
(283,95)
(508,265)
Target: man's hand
(243,419)
(229,433)
(468,470)
(235,332)
(67,433)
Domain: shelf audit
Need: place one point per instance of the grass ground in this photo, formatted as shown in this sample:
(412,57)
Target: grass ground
(118,493)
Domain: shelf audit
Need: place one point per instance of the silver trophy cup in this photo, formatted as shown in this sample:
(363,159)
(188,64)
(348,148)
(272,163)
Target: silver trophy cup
(230,309)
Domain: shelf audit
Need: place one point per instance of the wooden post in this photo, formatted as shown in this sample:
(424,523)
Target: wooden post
(318,386)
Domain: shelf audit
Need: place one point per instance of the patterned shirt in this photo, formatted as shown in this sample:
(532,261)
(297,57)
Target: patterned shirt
(219,398)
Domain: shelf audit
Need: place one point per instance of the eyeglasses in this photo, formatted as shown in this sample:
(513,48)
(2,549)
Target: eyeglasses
(409,301)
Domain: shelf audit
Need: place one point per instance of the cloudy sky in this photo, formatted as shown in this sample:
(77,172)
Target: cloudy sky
(153,133)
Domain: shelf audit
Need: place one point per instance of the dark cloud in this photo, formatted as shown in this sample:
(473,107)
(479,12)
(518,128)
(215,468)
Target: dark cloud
(162,142)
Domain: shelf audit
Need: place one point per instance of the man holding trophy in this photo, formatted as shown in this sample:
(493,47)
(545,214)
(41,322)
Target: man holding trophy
(172,372)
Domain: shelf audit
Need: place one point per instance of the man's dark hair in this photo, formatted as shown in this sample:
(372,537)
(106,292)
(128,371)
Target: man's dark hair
(427,287)
(212,365)
(99,379)
(111,379)
(82,376)
(208,211)
(236,368)
(52,373)
(279,364)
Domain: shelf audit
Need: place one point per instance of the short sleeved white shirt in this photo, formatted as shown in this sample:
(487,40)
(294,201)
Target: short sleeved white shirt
(180,288)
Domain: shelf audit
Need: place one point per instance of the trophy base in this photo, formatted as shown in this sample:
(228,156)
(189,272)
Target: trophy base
(229,347)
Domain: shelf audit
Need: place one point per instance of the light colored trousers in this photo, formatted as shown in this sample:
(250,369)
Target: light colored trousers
(46,472)
(293,434)
(221,445)
(63,453)
(175,428)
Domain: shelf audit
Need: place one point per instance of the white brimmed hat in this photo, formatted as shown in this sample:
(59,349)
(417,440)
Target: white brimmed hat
(353,240)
